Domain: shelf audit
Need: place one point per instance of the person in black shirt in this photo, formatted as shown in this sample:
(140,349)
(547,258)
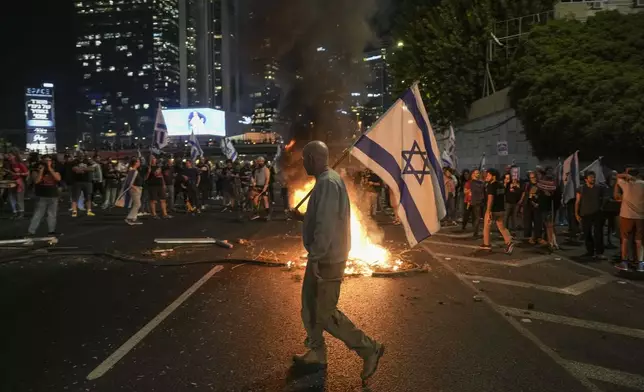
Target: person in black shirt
(46,188)
(529,204)
(191,179)
(169,174)
(228,175)
(205,183)
(82,177)
(156,188)
(373,185)
(549,200)
(495,211)
(513,192)
(588,211)
(112,184)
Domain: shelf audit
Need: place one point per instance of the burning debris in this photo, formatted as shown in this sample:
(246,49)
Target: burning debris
(367,255)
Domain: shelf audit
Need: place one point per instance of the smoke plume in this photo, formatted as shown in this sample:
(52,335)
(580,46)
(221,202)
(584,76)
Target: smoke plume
(318,46)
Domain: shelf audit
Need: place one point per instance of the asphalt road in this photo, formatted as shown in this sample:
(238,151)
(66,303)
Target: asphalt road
(475,322)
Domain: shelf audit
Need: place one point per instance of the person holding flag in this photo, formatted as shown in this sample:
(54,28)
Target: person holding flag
(131,192)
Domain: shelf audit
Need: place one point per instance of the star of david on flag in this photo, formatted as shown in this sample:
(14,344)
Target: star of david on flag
(402,150)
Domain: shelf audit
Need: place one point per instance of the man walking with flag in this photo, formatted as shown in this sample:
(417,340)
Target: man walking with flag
(327,239)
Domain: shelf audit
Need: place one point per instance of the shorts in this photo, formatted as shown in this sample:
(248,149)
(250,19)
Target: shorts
(628,226)
(259,189)
(81,187)
(156,193)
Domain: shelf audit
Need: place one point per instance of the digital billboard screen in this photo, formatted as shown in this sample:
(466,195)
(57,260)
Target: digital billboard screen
(40,120)
(39,103)
(201,121)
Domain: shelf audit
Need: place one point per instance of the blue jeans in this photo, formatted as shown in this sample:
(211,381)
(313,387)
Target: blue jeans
(44,205)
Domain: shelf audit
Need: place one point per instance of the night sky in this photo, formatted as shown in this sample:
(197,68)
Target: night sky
(37,41)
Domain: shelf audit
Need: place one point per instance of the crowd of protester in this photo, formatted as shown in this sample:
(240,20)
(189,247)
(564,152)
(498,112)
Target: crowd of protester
(161,186)
(529,207)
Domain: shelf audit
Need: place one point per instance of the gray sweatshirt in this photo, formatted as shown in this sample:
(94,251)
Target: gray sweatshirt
(326,232)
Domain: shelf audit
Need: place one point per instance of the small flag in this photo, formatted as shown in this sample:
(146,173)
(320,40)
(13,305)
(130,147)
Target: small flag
(570,177)
(447,160)
(598,168)
(160,139)
(195,148)
(401,149)
(450,147)
(228,149)
(124,199)
(482,163)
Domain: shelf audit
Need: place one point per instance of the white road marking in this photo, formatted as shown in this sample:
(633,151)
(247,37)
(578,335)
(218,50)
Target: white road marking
(122,351)
(513,263)
(457,244)
(575,289)
(514,283)
(624,379)
(582,378)
(453,235)
(575,322)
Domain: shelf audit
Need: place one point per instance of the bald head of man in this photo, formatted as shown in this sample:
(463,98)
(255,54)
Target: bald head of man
(316,158)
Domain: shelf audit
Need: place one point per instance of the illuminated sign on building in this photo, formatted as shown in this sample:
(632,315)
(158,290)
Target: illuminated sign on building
(40,119)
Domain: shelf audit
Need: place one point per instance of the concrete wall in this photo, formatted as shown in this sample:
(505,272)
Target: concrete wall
(582,10)
(492,120)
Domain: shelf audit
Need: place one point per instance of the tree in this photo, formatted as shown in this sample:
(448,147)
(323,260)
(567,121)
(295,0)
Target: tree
(581,86)
(444,47)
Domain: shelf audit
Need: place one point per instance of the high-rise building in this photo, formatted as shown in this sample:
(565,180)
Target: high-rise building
(375,97)
(210,71)
(128,51)
(266,95)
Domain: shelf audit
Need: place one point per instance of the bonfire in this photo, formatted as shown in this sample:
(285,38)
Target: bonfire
(366,255)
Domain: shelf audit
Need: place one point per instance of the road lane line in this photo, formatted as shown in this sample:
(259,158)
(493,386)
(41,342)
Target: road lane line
(457,244)
(143,332)
(516,263)
(582,378)
(589,284)
(617,377)
(516,283)
(450,235)
(575,322)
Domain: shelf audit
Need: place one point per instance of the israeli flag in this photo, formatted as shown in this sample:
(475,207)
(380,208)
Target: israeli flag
(401,149)
(570,177)
(195,148)
(228,149)
(598,168)
(160,131)
(447,160)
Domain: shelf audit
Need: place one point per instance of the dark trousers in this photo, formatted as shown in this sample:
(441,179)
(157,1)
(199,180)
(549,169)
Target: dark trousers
(473,211)
(573,226)
(193,196)
(611,223)
(593,228)
(284,196)
(532,222)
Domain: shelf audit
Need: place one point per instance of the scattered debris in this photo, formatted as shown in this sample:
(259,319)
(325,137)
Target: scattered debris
(448,258)
(476,281)
(162,251)
(557,258)
(526,320)
(242,241)
(621,282)
(477,298)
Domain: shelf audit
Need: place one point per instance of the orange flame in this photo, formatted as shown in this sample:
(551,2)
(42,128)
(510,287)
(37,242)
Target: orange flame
(366,254)
(289,145)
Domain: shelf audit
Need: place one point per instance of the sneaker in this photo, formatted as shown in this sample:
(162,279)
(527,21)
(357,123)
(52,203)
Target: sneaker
(74,214)
(601,257)
(157,217)
(90,213)
(509,248)
(167,217)
(640,266)
(623,266)
(531,241)
(371,362)
(254,217)
(485,247)
(132,222)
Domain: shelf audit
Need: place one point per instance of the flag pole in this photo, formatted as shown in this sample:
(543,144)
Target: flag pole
(347,150)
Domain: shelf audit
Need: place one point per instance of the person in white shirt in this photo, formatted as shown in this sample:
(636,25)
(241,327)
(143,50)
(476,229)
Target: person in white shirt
(631,215)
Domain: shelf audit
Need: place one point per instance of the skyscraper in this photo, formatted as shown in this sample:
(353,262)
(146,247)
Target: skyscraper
(128,53)
(210,71)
